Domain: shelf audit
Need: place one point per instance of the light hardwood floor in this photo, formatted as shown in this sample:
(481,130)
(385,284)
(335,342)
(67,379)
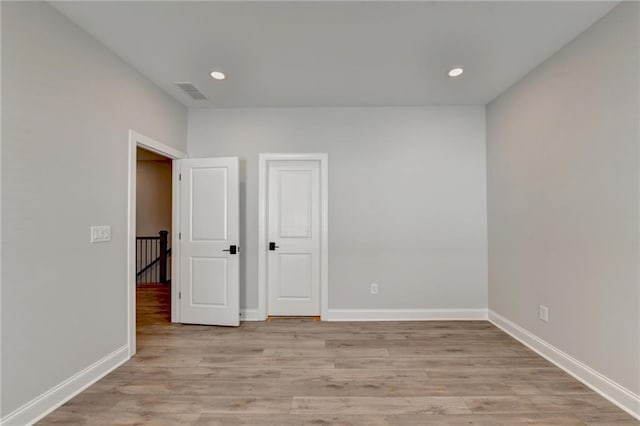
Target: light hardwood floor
(303,372)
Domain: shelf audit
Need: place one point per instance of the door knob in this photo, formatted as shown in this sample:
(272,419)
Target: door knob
(273,246)
(232,249)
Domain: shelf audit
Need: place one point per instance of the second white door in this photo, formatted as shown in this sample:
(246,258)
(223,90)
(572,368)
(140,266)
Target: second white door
(294,238)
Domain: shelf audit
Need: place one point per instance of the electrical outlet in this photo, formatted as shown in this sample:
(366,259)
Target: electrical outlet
(543,313)
(374,288)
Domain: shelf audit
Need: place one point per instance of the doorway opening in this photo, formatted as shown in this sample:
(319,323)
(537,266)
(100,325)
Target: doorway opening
(153,237)
(152,272)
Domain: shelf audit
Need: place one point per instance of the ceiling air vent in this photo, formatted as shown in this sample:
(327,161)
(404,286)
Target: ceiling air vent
(192,91)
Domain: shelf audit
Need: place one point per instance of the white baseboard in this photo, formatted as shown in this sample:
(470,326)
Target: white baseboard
(614,392)
(250,315)
(404,314)
(44,404)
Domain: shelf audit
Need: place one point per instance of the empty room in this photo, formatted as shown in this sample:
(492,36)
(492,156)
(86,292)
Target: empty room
(320,213)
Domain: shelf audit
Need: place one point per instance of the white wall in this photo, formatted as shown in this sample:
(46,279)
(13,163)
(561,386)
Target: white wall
(67,106)
(407,199)
(153,198)
(563,198)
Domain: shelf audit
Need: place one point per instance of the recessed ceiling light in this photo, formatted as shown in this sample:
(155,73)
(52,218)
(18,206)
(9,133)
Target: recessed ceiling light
(218,75)
(455,72)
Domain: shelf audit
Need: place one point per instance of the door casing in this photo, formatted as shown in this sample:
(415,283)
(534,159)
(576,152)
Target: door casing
(263,226)
(138,140)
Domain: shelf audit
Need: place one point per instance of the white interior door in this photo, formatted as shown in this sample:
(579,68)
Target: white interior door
(209,252)
(294,238)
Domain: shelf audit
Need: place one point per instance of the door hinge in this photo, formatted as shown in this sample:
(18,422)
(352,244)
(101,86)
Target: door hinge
(179,295)
(180,176)
(179,235)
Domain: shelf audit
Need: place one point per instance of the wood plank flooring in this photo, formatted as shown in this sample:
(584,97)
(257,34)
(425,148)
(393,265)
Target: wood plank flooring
(304,372)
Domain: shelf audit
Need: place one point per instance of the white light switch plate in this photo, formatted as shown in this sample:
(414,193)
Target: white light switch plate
(543,313)
(100,234)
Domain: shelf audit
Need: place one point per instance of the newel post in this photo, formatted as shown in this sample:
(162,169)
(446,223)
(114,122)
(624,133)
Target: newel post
(163,256)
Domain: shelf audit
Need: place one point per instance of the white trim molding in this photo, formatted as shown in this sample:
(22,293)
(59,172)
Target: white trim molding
(609,389)
(175,241)
(138,140)
(263,170)
(44,404)
(250,315)
(155,146)
(406,315)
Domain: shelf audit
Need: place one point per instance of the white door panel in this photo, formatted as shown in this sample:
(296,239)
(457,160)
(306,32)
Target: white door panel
(294,203)
(203,271)
(209,272)
(209,204)
(294,226)
(296,271)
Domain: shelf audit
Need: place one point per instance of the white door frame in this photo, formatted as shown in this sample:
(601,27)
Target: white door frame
(138,140)
(263,228)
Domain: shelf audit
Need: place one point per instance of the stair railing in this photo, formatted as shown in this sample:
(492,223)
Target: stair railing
(153,258)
